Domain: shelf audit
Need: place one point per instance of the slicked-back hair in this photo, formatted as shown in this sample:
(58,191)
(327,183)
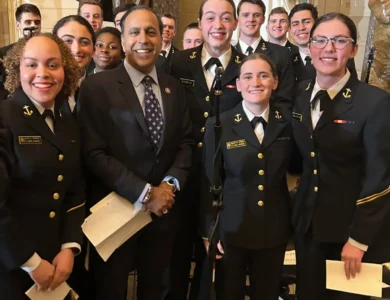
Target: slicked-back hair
(75,18)
(231,2)
(91,2)
(26,8)
(255,2)
(304,6)
(278,10)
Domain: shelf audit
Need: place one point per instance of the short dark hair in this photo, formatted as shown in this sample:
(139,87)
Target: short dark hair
(74,18)
(115,32)
(122,8)
(26,8)
(260,56)
(304,6)
(193,25)
(337,16)
(140,7)
(230,1)
(92,2)
(255,2)
(278,10)
(169,16)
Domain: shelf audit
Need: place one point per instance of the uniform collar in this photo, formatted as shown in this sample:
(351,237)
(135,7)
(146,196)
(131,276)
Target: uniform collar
(39,106)
(250,115)
(244,46)
(333,90)
(224,58)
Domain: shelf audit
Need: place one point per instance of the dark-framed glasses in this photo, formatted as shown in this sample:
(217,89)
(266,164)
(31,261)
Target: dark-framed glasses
(339,42)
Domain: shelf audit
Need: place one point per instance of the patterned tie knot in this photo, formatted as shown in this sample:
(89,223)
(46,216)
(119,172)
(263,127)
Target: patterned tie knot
(213,61)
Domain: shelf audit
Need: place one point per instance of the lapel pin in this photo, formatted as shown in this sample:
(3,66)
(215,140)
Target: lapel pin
(263,47)
(238,61)
(27,110)
(347,93)
(193,55)
(238,118)
(277,115)
(167,90)
(296,58)
(308,86)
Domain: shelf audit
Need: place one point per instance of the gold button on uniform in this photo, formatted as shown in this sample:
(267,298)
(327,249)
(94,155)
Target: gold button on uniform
(60,178)
(261,172)
(61,157)
(202,129)
(316,189)
(200,145)
(206,114)
(207,98)
(260,155)
(56,196)
(315,171)
(52,214)
(260,203)
(312,154)
(261,187)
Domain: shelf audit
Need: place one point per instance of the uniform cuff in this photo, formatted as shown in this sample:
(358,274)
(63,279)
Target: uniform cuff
(357,244)
(33,263)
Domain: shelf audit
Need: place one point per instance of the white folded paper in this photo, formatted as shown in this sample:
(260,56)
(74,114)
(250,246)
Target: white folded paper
(113,221)
(58,294)
(368,282)
(289,258)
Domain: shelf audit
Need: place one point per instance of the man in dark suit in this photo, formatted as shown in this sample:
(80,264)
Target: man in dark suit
(168,34)
(251,14)
(196,69)
(302,18)
(137,142)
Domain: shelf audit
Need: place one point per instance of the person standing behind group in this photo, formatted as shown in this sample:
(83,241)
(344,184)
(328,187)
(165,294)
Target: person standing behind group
(192,36)
(42,212)
(79,36)
(119,12)
(92,11)
(342,129)
(256,144)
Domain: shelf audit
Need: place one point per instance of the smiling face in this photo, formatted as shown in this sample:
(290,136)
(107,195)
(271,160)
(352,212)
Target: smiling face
(141,40)
(78,39)
(256,83)
(331,62)
(107,51)
(301,24)
(250,19)
(93,14)
(41,70)
(169,29)
(278,26)
(217,26)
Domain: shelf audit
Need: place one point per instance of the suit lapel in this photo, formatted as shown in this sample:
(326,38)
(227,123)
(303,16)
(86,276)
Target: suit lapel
(238,48)
(276,123)
(262,47)
(130,96)
(195,61)
(231,71)
(304,102)
(340,104)
(243,127)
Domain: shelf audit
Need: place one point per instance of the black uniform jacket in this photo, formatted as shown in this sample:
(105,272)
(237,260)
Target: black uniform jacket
(187,67)
(43,206)
(344,190)
(256,210)
(117,147)
(282,60)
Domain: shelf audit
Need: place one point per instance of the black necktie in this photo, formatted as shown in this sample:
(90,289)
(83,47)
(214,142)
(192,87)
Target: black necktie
(324,99)
(256,120)
(48,113)
(307,60)
(163,53)
(153,113)
(249,50)
(213,61)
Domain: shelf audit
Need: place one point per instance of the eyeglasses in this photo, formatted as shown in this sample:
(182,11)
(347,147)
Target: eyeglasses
(339,43)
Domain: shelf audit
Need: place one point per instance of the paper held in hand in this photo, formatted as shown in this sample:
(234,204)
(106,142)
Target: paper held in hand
(113,221)
(58,294)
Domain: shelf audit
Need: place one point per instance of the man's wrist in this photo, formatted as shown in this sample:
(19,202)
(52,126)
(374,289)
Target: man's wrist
(148,195)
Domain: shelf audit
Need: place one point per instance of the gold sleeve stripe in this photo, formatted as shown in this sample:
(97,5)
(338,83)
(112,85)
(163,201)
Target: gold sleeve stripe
(373,197)
(76,207)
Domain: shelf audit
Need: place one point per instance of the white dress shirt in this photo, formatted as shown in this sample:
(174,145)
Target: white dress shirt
(244,46)
(210,73)
(167,51)
(259,129)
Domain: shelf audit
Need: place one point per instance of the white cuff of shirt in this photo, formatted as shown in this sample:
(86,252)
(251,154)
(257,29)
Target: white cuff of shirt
(177,185)
(32,263)
(143,194)
(358,245)
(75,246)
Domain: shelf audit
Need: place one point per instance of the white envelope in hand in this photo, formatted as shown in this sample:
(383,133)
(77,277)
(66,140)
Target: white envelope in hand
(58,294)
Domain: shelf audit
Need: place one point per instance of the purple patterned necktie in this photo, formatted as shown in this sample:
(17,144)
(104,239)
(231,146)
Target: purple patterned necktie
(153,114)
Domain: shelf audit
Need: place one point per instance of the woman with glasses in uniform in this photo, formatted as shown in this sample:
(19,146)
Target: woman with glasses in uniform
(42,211)
(342,129)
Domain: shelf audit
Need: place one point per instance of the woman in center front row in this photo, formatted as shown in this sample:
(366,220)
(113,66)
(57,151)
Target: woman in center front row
(342,128)
(256,143)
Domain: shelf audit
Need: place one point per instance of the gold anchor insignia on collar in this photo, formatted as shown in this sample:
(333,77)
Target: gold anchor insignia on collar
(238,118)
(263,47)
(308,86)
(238,61)
(277,115)
(27,110)
(193,55)
(347,93)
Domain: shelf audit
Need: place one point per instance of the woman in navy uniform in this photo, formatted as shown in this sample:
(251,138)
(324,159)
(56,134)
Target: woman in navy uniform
(42,212)
(256,144)
(342,129)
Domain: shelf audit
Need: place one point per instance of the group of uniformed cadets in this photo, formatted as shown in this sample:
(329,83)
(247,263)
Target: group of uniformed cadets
(69,137)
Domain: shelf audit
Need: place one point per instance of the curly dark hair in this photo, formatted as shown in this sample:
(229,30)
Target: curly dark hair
(12,65)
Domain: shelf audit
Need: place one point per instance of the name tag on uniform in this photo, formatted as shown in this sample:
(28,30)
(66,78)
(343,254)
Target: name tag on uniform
(235,144)
(283,138)
(30,140)
(297,116)
(187,81)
